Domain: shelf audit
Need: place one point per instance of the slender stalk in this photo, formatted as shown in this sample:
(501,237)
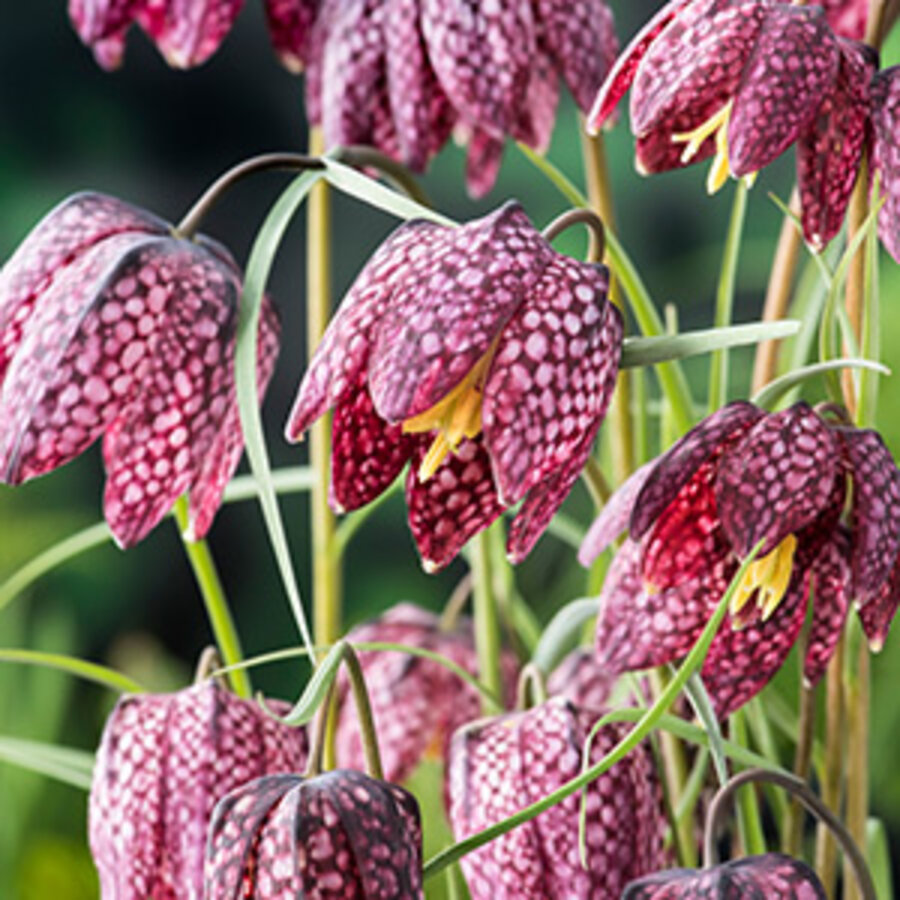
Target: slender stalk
(487,627)
(326,576)
(220,619)
(364,714)
(718,366)
(778,293)
(531,689)
(806,723)
(857,700)
(749,819)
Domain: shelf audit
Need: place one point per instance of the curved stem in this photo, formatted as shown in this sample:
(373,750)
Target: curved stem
(364,713)
(291,162)
(803,793)
(456,602)
(361,157)
(315,763)
(531,689)
(580,217)
(215,601)
(487,628)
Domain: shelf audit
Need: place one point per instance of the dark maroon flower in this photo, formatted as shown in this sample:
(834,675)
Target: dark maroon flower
(847,18)
(481,355)
(110,325)
(743,80)
(337,835)
(773,876)
(164,762)
(739,477)
(500,765)
(290,26)
(417,703)
(885,154)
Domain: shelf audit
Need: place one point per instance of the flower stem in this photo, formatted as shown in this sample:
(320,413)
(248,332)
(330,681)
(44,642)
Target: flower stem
(749,819)
(215,601)
(778,293)
(793,829)
(364,713)
(487,627)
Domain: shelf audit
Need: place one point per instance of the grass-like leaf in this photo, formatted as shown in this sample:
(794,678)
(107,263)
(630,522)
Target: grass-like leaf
(65,764)
(769,394)
(563,632)
(102,675)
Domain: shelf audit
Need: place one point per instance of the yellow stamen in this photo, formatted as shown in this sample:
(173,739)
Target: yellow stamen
(767,578)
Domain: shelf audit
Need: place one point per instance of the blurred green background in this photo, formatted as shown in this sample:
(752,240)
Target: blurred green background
(156,138)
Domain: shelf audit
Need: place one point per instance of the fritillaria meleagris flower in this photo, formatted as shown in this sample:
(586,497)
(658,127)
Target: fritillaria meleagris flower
(581,679)
(332,836)
(481,355)
(847,17)
(773,876)
(112,326)
(417,703)
(500,765)
(741,476)
(164,762)
(742,81)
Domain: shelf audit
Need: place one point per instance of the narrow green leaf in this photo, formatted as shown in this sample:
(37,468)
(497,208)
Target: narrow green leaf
(867,385)
(65,764)
(563,632)
(652,350)
(102,675)
(769,394)
(698,697)
(304,710)
(878,856)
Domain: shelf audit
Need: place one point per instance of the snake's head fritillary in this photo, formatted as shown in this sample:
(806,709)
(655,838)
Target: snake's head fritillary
(110,326)
(742,477)
(164,762)
(332,836)
(500,765)
(773,876)
(417,703)
(481,355)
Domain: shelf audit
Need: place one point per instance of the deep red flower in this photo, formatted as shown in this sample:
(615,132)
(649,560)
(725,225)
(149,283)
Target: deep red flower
(500,765)
(334,836)
(847,18)
(742,80)
(164,762)
(481,355)
(417,704)
(110,325)
(739,477)
(773,876)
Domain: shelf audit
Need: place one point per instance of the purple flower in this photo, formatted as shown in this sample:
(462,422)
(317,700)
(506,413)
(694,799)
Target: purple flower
(110,325)
(772,876)
(164,762)
(417,704)
(341,834)
(480,355)
(739,477)
(742,80)
(847,18)
(500,765)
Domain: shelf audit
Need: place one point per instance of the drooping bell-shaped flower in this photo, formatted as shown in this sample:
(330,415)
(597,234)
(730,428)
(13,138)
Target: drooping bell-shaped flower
(332,836)
(290,27)
(772,875)
(164,762)
(417,703)
(582,680)
(847,18)
(739,477)
(500,765)
(742,80)
(110,325)
(482,356)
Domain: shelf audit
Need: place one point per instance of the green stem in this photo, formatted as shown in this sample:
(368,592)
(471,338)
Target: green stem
(220,619)
(718,367)
(749,820)
(857,698)
(364,714)
(487,626)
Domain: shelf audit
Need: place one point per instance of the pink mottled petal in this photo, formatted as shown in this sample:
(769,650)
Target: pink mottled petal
(828,153)
(677,466)
(615,515)
(482,55)
(620,78)
(582,680)
(581,38)
(777,479)
(188,32)
(458,501)
(552,375)
(367,453)
(831,599)
(449,308)
(876,614)
(67,231)
(275,870)
(655,151)
(847,18)
(885,93)
(344,350)
(793,67)
(290,24)
(102,25)
(156,447)
(318,38)
(484,154)
(876,510)
(223,457)
(534,126)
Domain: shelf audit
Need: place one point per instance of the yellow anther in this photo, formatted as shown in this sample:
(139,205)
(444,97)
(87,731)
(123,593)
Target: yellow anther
(768,579)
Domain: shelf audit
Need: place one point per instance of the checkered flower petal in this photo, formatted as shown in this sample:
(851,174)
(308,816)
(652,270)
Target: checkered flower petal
(830,584)
(499,765)
(582,680)
(102,25)
(677,466)
(163,763)
(877,613)
(482,56)
(336,835)
(290,26)
(535,123)
(847,17)
(773,876)
(484,155)
(885,94)
(777,479)
(829,151)
(876,510)
(791,70)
